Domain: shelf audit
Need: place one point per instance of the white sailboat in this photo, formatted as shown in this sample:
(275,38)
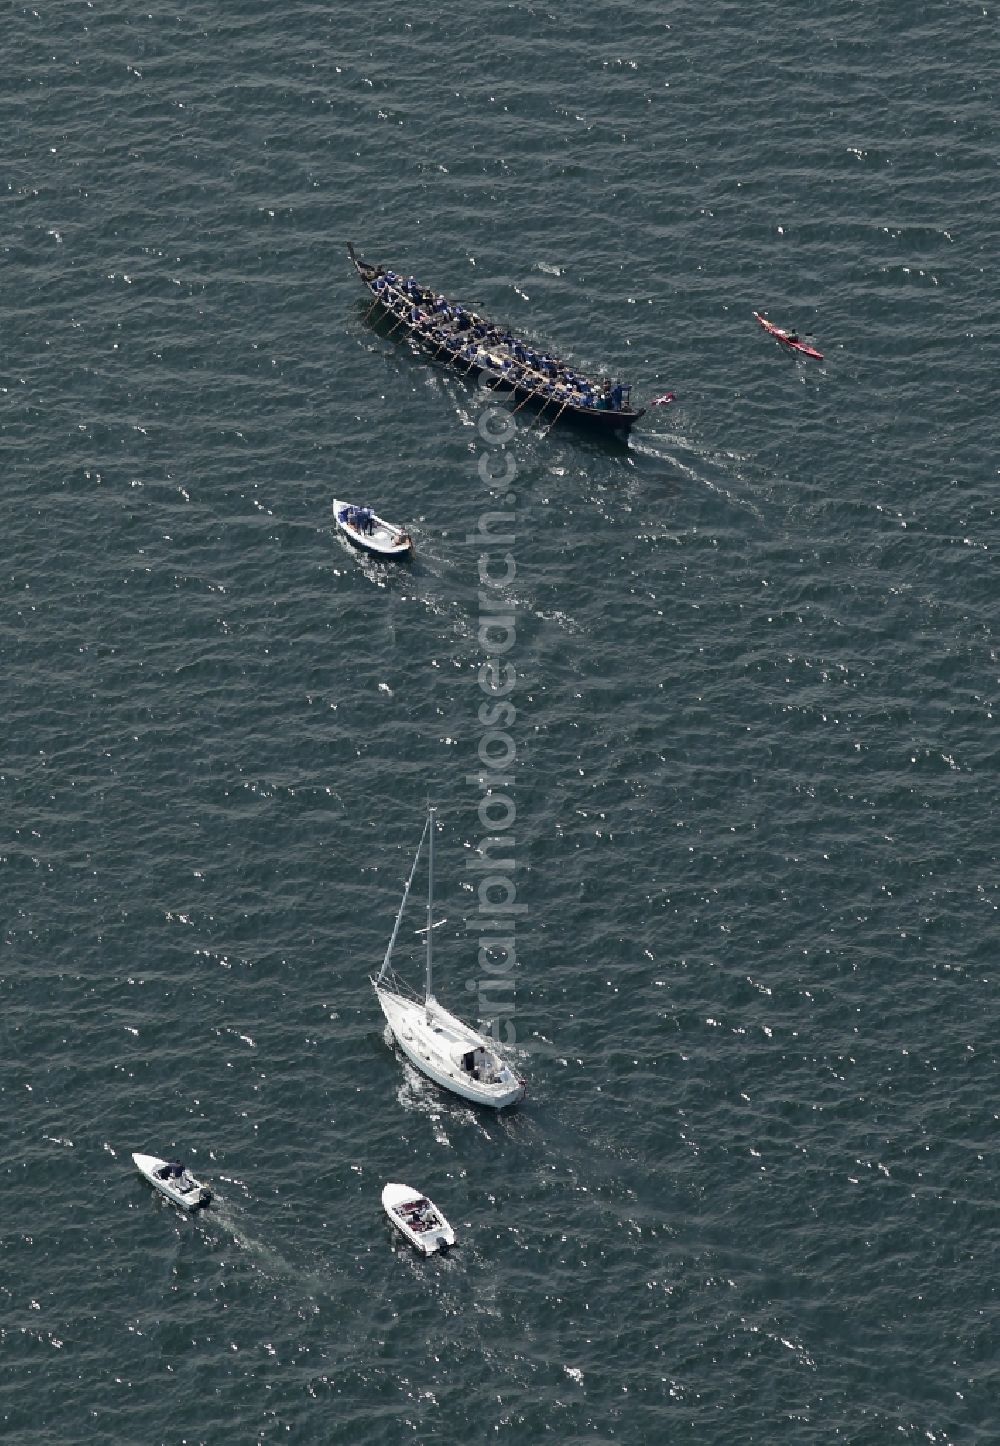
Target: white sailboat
(441,1046)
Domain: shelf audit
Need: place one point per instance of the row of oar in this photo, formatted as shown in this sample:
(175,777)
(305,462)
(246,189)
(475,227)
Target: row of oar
(537,393)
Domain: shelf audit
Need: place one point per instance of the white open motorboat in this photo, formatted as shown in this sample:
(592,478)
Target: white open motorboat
(366,529)
(437,1042)
(417,1218)
(174,1181)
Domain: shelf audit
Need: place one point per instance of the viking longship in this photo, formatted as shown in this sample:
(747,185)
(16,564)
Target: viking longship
(449,333)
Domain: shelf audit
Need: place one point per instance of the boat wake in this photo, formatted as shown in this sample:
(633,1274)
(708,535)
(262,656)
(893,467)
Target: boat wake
(222,1225)
(714,470)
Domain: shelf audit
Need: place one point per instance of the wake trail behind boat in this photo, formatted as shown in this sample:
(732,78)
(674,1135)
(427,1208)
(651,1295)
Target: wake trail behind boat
(221,1225)
(649,447)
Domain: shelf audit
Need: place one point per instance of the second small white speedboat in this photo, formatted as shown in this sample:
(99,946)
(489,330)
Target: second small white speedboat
(417,1218)
(174,1181)
(366,529)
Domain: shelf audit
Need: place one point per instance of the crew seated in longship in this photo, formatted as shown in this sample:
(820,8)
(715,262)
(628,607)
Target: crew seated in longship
(465,337)
(612,399)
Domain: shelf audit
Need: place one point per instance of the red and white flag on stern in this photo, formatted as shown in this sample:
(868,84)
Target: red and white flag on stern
(662,401)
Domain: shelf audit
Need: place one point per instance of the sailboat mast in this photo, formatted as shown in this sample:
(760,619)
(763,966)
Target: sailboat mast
(430,900)
(399,916)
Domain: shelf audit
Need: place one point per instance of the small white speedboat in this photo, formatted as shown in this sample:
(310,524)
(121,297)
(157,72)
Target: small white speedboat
(366,529)
(417,1218)
(174,1181)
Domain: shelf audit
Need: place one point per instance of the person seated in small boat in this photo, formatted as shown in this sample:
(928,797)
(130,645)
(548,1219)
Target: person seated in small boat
(415,1214)
(173,1170)
(790,335)
(616,398)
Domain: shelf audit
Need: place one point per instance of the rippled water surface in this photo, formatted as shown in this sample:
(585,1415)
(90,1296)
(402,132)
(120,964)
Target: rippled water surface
(751,1194)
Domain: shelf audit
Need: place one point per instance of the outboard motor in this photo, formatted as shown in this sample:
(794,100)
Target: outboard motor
(204,1196)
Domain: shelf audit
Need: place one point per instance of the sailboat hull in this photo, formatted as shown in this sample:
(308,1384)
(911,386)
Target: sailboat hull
(434,1042)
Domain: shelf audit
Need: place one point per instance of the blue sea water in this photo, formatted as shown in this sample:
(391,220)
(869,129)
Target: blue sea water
(750,1195)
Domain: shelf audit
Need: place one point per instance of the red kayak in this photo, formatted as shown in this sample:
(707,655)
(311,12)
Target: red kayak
(786,339)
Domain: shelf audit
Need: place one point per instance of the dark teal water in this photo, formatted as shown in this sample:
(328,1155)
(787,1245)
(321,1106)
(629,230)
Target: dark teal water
(751,1194)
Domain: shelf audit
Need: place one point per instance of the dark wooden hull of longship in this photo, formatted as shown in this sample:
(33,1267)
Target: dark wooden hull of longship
(396,305)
